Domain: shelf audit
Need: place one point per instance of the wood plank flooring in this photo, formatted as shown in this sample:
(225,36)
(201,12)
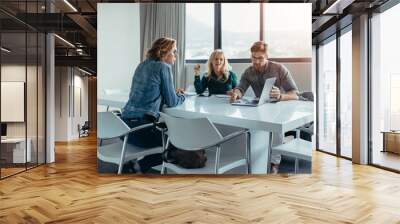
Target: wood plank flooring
(71,191)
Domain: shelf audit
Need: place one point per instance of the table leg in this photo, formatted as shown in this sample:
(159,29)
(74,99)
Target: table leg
(269,152)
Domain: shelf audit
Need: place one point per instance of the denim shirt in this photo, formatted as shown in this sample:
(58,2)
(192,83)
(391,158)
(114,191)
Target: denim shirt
(151,87)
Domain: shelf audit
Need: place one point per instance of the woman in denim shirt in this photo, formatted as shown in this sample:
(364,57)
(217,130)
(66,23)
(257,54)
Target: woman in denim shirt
(219,79)
(151,88)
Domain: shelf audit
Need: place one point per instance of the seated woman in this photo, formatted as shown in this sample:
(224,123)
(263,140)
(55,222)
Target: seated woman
(219,79)
(151,87)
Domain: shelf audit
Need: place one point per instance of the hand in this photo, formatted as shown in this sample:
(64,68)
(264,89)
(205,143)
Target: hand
(275,93)
(196,70)
(235,95)
(179,90)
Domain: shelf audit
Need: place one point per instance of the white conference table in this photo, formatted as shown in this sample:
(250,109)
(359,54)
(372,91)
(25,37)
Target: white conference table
(263,121)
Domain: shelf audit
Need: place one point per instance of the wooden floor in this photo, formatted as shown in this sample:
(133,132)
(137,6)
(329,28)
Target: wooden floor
(71,191)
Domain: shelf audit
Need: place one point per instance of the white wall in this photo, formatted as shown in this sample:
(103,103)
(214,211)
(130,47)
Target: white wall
(118,45)
(67,114)
(301,72)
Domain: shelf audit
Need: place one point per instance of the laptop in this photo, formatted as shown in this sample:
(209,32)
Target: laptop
(264,98)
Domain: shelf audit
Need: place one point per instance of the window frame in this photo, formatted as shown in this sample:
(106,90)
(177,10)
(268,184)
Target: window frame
(218,40)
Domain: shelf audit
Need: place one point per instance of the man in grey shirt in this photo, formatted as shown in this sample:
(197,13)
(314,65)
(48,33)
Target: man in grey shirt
(263,69)
(255,76)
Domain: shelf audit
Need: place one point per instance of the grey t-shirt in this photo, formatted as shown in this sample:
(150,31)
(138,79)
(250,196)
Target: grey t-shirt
(256,80)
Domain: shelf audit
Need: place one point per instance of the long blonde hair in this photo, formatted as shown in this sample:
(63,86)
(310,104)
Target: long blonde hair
(226,66)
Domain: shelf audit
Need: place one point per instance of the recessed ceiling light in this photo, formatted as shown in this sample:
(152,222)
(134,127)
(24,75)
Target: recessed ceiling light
(65,41)
(70,5)
(5,50)
(84,71)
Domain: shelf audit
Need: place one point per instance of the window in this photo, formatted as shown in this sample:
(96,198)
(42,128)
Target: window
(346,94)
(385,84)
(287,30)
(240,28)
(199,30)
(327,97)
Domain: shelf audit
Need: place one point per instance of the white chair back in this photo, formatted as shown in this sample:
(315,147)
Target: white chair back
(109,125)
(189,134)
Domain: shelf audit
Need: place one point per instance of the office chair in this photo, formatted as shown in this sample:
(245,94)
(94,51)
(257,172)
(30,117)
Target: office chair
(83,130)
(111,127)
(200,133)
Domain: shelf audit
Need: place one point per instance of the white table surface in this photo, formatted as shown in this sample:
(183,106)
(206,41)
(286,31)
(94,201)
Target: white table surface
(275,117)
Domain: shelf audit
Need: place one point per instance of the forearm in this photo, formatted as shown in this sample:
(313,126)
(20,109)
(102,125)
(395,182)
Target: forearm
(291,95)
(198,85)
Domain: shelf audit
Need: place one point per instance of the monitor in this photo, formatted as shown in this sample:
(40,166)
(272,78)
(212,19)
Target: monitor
(3,129)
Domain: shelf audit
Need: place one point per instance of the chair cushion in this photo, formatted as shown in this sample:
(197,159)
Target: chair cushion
(112,152)
(297,148)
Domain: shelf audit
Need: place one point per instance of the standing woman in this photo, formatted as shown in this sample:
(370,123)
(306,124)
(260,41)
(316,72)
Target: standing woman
(219,79)
(151,87)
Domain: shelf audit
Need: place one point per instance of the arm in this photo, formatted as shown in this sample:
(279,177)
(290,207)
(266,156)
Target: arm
(239,91)
(200,85)
(288,84)
(291,95)
(171,99)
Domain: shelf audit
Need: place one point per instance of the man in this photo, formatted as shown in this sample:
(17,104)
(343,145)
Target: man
(255,76)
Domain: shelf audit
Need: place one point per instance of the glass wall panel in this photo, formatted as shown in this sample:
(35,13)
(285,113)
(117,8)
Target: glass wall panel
(22,79)
(327,96)
(31,98)
(346,94)
(385,89)
(13,91)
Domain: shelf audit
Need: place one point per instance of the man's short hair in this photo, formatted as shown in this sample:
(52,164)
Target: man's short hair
(259,46)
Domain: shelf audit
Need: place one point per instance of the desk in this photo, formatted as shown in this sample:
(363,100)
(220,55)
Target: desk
(18,150)
(263,121)
(391,141)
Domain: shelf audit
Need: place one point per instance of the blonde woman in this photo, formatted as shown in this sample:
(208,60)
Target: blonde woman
(219,79)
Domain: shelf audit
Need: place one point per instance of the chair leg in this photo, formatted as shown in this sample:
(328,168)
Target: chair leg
(296,165)
(163,169)
(248,153)
(164,147)
(121,161)
(218,152)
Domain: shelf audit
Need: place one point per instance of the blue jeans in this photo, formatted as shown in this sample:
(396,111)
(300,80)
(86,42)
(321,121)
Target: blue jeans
(145,138)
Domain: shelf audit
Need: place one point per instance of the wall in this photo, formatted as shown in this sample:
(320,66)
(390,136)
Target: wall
(33,127)
(301,72)
(118,45)
(71,102)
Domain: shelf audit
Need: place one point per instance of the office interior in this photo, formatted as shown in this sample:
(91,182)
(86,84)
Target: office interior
(137,30)
(49,61)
